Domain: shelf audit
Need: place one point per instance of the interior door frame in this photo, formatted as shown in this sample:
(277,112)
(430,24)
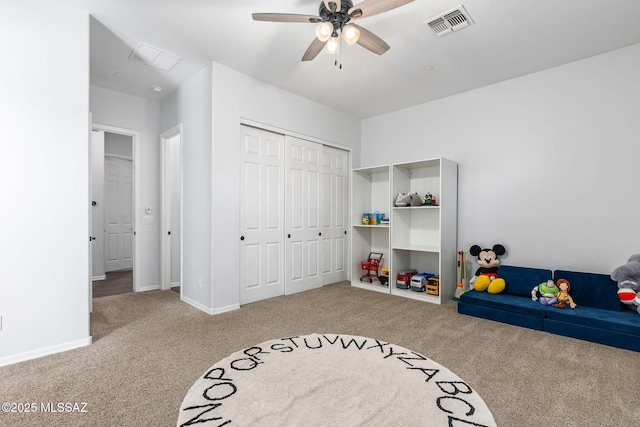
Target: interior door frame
(135,138)
(165,244)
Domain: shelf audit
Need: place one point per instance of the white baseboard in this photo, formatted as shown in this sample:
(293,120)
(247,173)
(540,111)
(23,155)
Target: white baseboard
(46,351)
(221,310)
(174,284)
(196,304)
(96,278)
(147,288)
(207,309)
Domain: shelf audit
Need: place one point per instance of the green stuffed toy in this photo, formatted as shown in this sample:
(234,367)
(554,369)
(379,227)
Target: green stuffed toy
(546,293)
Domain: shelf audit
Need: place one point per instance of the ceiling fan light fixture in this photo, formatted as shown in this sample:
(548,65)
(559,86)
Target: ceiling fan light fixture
(350,34)
(333,45)
(324,31)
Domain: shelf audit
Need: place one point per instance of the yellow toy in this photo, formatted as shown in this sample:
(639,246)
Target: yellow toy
(564,297)
(486,278)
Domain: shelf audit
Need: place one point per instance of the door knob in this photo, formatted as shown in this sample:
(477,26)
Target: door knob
(241,237)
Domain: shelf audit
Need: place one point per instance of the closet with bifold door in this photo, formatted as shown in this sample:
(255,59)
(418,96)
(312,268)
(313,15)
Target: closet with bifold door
(293,214)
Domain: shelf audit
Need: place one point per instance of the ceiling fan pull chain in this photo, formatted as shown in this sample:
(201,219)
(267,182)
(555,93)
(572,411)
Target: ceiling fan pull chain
(338,59)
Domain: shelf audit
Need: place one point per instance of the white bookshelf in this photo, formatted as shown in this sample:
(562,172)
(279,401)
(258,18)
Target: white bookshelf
(370,193)
(421,237)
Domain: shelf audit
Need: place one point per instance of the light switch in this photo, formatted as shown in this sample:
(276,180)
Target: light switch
(147,220)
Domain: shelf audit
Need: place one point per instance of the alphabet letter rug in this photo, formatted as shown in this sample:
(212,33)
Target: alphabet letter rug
(331,380)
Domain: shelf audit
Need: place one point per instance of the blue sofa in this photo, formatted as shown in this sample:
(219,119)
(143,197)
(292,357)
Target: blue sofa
(600,317)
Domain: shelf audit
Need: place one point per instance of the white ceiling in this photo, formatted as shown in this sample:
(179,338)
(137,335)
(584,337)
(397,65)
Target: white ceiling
(510,38)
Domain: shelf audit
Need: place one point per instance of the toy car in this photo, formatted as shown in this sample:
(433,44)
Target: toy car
(384,277)
(419,281)
(433,285)
(403,279)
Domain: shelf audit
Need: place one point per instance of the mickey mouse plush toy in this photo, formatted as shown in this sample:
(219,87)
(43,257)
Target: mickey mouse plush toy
(486,278)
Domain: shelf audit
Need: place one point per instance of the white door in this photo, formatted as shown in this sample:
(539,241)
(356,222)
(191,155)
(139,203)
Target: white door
(171,172)
(97,204)
(118,214)
(261,215)
(334,218)
(303,215)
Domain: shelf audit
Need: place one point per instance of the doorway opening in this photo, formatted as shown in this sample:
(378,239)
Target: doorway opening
(114,202)
(171,243)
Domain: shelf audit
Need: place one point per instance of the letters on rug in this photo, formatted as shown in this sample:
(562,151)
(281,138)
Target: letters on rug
(329,379)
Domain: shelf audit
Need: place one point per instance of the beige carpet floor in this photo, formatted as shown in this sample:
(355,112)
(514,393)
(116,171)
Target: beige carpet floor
(149,348)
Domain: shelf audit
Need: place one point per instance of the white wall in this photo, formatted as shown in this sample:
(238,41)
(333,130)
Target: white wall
(211,107)
(191,106)
(44,157)
(130,112)
(548,163)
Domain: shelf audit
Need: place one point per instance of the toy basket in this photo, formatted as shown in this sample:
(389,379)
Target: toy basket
(371,266)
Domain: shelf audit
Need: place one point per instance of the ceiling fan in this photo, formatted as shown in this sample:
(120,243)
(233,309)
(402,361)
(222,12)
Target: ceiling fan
(335,17)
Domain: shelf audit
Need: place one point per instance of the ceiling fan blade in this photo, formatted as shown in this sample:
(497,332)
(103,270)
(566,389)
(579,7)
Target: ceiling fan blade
(373,7)
(285,17)
(337,2)
(371,42)
(313,50)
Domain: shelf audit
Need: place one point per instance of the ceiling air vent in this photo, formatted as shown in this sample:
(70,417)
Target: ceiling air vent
(450,21)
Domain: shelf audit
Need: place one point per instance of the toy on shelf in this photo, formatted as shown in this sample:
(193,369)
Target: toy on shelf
(486,278)
(375,218)
(430,200)
(403,279)
(384,277)
(628,278)
(402,200)
(371,265)
(563,296)
(419,281)
(433,285)
(416,200)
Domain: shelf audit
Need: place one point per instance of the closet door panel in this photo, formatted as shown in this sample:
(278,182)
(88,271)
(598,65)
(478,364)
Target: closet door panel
(302,215)
(261,216)
(335,210)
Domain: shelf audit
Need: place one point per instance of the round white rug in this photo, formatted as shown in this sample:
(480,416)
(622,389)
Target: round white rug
(331,380)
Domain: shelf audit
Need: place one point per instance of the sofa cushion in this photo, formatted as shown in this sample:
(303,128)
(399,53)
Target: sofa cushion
(597,335)
(521,280)
(591,290)
(626,322)
(509,317)
(505,302)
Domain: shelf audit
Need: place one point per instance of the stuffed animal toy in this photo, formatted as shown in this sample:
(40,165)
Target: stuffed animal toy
(546,293)
(416,199)
(628,278)
(564,297)
(486,277)
(403,200)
